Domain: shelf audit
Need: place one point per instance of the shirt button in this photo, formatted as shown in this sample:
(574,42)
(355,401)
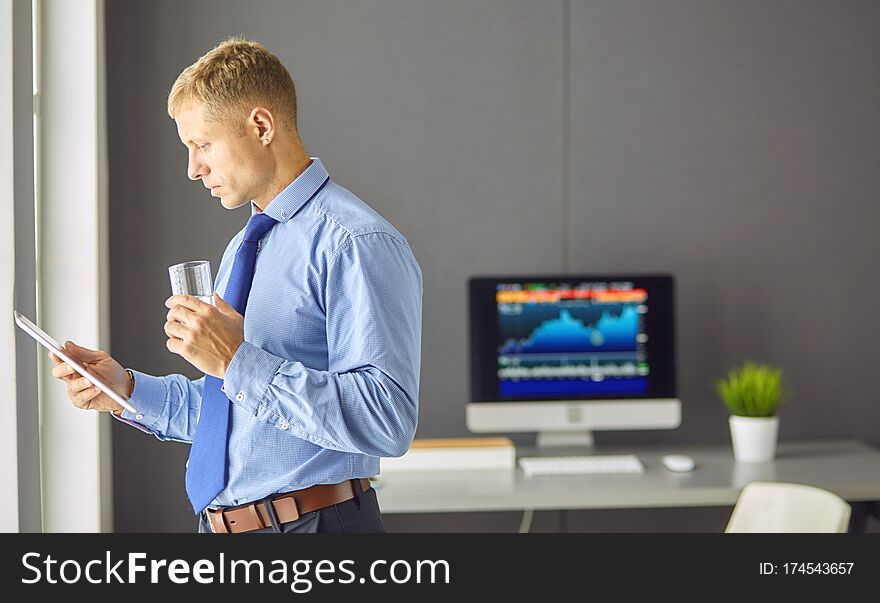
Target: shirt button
(223,388)
(283,213)
(139,417)
(285,426)
(239,396)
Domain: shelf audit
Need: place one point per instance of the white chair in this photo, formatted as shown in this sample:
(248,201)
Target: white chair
(781,507)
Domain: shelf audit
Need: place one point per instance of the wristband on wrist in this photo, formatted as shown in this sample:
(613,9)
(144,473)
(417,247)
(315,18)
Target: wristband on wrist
(128,372)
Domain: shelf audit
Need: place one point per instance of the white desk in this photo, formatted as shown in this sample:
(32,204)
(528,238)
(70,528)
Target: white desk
(848,468)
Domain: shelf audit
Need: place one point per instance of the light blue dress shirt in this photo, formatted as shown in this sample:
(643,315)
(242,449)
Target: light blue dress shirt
(327,380)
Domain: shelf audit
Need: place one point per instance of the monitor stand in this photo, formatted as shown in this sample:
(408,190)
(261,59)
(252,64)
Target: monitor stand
(549,440)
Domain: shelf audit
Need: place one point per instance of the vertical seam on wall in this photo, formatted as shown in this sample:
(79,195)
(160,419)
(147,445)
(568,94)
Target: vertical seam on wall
(37,124)
(566,123)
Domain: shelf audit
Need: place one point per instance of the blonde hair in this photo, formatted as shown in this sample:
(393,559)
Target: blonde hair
(231,79)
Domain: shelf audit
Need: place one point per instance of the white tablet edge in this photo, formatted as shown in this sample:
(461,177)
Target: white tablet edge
(49,343)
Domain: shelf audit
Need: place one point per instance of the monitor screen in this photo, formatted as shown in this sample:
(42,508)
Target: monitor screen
(571,338)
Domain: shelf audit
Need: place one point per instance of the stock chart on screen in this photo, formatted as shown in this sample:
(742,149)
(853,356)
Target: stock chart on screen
(566,339)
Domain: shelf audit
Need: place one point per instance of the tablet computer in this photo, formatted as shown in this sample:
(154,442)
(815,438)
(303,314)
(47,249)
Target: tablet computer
(50,344)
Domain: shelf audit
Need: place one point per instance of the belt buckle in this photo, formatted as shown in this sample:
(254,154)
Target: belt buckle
(218,515)
(285,506)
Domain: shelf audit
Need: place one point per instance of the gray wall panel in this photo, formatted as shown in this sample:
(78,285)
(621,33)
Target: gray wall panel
(446,117)
(27,355)
(730,143)
(735,145)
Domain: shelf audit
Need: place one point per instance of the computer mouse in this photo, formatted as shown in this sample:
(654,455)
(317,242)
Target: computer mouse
(678,462)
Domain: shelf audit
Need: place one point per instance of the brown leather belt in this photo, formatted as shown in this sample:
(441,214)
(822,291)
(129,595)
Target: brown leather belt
(288,507)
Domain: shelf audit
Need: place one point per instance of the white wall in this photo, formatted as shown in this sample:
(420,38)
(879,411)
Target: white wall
(75,443)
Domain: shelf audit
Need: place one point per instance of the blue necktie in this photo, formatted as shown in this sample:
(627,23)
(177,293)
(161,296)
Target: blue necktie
(206,472)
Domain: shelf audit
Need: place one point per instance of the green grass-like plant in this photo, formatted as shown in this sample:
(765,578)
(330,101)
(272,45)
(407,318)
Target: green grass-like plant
(752,390)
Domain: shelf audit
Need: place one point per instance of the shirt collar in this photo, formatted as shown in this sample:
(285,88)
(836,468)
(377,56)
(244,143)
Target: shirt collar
(297,193)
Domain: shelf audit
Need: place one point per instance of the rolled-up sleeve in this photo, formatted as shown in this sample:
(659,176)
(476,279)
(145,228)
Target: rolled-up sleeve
(367,400)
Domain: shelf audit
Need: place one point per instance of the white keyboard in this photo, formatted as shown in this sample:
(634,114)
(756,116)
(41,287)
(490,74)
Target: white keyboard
(574,465)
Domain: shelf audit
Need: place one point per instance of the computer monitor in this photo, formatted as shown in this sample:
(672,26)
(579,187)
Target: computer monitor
(568,355)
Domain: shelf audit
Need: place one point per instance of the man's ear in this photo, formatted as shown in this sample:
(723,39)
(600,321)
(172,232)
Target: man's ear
(263,123)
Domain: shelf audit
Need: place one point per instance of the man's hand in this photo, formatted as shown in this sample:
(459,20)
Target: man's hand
(206,336)
(79,389)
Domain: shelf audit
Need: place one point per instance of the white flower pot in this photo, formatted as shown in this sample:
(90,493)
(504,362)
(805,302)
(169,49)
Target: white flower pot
(754,438)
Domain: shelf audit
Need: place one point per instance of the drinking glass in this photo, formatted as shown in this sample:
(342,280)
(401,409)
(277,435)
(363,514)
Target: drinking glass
(192,278)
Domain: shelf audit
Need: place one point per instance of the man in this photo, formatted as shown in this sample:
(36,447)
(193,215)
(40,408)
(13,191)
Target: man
(317,378)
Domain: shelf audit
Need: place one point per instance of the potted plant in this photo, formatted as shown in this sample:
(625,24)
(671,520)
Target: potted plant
(752,394)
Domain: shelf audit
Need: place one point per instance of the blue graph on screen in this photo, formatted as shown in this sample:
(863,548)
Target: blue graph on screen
(577,348)
(587,328)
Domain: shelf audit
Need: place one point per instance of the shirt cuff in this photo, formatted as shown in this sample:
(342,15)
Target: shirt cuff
(148,397)
(249,375)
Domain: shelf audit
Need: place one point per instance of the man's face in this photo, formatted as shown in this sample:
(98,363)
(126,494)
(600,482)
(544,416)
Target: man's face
(228,161)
